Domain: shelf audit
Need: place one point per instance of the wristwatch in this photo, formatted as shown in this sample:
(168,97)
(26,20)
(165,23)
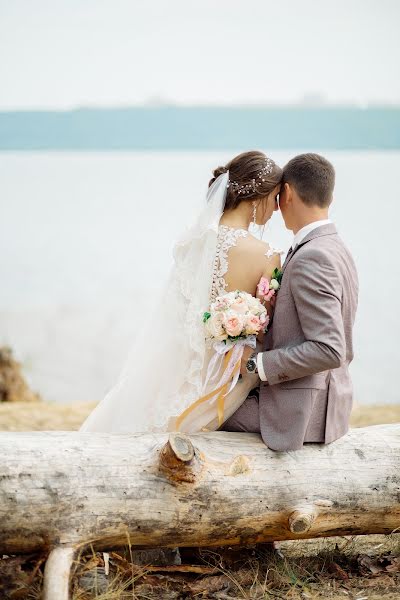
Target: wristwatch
(251,365)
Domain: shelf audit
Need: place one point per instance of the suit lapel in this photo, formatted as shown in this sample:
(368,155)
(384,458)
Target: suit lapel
(328,229)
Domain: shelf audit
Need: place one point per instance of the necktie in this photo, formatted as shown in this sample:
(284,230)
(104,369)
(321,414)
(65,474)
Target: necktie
(288,255)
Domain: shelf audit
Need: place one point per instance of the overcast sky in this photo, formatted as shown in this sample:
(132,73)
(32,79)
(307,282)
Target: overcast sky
(67,53)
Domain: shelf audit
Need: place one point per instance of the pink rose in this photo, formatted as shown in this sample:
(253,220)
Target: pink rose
(264,319)
(233,324)
(268,297)
(263,286)
(253,325)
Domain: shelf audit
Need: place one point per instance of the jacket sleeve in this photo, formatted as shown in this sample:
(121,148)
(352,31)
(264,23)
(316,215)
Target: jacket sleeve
(317,292)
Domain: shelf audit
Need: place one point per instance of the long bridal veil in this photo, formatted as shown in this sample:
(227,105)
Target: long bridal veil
(163,373)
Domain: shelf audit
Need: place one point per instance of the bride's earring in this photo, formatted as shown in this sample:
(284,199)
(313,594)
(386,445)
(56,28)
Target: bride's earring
(254,212)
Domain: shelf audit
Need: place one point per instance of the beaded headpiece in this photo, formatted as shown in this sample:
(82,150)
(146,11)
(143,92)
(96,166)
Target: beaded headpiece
(253,184)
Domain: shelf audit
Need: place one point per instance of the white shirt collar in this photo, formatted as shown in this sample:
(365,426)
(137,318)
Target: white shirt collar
(304,231)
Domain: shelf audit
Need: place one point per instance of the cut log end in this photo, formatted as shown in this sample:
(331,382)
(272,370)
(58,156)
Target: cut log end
(181,446)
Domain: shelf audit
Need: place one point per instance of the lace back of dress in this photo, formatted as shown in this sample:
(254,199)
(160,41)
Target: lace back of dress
(227,238)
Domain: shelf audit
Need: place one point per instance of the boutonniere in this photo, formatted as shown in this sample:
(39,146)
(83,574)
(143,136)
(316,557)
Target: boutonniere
(277,276)
(267,288)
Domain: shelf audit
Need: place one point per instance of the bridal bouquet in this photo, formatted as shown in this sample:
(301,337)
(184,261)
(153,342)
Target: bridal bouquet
(235,316)
(233,321)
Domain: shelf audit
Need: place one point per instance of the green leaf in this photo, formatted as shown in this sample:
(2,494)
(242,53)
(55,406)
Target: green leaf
(206,316)
(277,274)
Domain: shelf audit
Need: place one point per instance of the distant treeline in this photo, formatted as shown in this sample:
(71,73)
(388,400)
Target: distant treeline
(202,128)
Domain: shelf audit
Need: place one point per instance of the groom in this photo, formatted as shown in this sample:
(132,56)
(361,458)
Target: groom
(306,392)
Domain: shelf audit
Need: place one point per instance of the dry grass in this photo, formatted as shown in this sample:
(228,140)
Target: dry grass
(39,416)
(347,567)
(43,416)
(362,416)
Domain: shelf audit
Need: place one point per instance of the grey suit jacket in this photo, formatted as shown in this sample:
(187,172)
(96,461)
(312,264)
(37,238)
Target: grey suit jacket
(309,347)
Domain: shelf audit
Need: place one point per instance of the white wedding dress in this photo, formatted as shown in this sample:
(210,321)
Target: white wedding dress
(205,418)
(165,372)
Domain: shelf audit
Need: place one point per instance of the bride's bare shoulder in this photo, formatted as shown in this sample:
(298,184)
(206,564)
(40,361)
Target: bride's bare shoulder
(258,250)
(249,260)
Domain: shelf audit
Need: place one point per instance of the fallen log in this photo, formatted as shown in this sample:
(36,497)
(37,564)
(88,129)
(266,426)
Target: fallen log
(63,491)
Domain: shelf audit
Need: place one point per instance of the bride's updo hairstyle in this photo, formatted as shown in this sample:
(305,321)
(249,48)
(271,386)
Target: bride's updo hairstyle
(252,176)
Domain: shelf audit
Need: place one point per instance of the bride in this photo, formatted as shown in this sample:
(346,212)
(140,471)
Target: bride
(165,372)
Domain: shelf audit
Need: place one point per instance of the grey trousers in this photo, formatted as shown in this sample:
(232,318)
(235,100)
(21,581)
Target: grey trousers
(247,416)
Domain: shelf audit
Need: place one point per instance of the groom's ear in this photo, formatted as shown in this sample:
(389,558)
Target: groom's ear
(288,191)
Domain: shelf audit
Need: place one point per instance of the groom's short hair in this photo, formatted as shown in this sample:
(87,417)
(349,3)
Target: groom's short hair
(313,178)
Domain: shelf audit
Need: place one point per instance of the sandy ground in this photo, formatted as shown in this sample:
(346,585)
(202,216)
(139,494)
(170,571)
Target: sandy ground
(39,416)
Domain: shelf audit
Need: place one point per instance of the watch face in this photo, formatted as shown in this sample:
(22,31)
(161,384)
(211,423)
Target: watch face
(251,365)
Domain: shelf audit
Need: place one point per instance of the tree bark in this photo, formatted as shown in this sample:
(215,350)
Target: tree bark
(68,490)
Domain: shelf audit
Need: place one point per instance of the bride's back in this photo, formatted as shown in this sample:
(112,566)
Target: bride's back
(241,260)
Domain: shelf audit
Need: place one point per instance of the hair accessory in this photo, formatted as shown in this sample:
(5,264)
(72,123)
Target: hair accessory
(253,184)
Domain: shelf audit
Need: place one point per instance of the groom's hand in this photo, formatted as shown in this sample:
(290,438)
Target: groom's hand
(247,352)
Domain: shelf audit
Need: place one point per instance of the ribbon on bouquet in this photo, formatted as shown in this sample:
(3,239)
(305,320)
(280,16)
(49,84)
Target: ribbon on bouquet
(225,382)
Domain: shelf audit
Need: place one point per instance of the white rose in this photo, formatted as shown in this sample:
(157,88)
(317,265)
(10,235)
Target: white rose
(215,328)
(255,306)
(231,296)
(240,306)
(274,284)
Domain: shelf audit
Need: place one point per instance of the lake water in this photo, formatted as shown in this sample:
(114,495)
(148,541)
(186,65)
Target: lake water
(85,237)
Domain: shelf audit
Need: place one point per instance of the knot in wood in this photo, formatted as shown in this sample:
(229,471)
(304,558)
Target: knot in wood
(301,521)
(239,466)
